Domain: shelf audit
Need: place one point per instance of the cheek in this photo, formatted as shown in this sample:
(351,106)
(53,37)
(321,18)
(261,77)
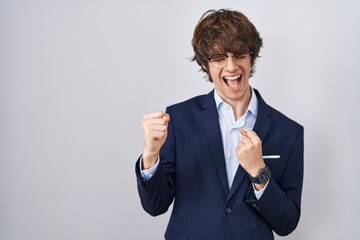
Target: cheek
(214,74)
(216,79)
(248,69)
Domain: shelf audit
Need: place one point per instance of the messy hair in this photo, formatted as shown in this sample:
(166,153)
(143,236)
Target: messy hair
(224,31)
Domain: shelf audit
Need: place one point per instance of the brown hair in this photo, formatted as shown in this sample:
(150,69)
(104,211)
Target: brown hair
(224,31)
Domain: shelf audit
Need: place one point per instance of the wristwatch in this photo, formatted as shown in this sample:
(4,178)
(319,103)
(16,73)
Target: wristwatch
(262,177)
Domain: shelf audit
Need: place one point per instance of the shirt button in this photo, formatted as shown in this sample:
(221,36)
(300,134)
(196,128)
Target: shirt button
(228,210)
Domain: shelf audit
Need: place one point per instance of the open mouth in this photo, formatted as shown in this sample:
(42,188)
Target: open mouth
(233,82)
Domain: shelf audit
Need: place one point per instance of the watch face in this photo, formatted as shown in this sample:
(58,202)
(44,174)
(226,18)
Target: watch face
(264,175)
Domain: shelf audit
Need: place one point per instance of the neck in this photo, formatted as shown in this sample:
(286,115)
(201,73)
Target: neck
(239,106)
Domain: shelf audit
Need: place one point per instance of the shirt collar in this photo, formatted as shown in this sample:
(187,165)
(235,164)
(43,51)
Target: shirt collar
(253,104)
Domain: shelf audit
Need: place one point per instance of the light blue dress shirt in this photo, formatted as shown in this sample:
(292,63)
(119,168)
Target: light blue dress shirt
(230,136)
(230,133)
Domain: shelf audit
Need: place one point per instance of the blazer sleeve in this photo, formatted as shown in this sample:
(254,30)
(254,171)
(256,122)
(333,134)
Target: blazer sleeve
(280,203)
(157,193)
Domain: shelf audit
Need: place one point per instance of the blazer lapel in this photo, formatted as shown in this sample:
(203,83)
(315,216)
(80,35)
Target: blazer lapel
(263,119)
(261,127)
(213,133)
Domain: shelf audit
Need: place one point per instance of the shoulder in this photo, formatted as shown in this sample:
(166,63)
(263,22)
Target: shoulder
(194,103)
(284,121)
(277,116)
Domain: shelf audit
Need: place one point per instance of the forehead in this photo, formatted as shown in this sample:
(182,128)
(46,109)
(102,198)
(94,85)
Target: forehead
(237,48)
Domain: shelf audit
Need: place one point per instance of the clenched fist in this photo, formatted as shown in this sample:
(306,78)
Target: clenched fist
(155,126)
(249,153)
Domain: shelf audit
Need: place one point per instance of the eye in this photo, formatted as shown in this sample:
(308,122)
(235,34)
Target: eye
(217,58)
(239,57)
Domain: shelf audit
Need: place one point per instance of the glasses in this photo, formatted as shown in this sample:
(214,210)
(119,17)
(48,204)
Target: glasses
(220,60)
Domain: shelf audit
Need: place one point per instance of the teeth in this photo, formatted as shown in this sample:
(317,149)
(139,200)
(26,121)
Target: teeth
(232,78)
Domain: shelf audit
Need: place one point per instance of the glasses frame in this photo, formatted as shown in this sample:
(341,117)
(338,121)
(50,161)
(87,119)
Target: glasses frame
(222,60)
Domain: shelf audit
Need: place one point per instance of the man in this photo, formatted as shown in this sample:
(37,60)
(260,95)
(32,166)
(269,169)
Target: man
(232,164)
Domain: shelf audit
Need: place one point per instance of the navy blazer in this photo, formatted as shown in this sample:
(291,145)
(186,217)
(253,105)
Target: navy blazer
(192,171)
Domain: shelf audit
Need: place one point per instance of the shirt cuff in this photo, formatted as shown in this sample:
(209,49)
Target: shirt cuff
(148,173)
(259,193)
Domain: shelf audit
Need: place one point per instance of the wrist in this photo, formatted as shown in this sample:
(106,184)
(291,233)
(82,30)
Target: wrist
(262,177)
(148,161)
(255,171)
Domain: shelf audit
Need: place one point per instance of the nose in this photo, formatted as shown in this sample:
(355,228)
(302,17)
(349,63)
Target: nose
(231,64)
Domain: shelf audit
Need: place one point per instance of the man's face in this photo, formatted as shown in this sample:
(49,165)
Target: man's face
(231,76)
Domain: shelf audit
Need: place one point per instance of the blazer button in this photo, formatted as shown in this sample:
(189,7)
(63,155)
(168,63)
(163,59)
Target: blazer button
(228,210)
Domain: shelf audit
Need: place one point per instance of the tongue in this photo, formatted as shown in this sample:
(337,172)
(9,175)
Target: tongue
(233,83)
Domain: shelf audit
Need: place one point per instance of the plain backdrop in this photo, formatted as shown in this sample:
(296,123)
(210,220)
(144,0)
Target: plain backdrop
(77,76)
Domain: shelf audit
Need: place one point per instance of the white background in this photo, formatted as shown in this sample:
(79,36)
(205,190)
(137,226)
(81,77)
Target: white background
(77,76)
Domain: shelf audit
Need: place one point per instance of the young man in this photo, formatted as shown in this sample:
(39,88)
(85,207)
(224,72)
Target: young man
(233,164)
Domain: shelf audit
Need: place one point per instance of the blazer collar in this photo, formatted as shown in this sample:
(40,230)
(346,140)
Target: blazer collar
(263,119)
